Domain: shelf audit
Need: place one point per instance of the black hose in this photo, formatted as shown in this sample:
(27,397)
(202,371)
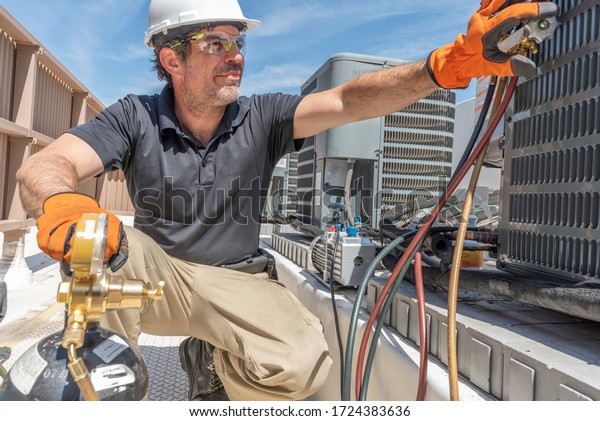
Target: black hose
(334,306)
(478,126)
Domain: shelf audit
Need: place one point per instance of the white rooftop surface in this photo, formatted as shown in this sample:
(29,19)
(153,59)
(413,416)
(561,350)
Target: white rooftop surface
(496,341)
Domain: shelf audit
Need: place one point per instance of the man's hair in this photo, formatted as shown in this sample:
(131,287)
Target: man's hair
(183,51)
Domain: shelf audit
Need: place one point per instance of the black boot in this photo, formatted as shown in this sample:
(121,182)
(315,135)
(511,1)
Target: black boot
(196,357)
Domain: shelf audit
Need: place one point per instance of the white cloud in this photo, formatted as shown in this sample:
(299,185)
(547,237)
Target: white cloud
(280,78)
(284,17)
(144,83)
(130,52)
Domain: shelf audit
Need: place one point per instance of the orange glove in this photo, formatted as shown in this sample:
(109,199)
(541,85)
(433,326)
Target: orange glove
(476,53)
(57,225)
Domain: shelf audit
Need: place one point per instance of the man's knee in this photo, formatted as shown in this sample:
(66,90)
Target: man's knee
(309,373)
(278,372)
(300,372)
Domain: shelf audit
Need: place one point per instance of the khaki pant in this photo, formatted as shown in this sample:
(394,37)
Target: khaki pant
(268,346)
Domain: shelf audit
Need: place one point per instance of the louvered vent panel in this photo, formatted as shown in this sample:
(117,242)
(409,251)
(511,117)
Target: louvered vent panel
(417,149)
(551,183)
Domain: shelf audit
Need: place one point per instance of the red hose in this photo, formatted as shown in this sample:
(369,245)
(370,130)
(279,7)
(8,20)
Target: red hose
(423,348)
(427,225)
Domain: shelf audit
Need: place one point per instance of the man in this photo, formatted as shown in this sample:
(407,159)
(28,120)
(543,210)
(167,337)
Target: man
(198,160)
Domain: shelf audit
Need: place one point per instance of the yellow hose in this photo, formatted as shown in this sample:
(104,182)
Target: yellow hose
(456,257)
(81,375)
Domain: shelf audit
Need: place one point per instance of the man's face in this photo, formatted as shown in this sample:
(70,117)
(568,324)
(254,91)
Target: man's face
(213,71)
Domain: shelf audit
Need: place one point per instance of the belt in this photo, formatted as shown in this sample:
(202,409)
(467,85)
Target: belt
(261,262)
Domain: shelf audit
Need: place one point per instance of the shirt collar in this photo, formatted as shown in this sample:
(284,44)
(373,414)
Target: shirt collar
(233,117)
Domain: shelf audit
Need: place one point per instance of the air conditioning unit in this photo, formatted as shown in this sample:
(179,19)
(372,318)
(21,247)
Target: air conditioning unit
(381,161)
(550,195)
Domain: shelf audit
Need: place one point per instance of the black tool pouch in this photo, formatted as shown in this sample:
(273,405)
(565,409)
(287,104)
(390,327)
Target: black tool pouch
(261,262)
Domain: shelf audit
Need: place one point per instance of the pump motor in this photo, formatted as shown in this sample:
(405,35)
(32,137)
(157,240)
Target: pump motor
(350,260)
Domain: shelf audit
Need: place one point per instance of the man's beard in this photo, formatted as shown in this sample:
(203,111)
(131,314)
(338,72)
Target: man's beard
(229,93)
(211,99)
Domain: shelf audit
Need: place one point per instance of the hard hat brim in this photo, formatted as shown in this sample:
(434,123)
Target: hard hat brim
(172,31)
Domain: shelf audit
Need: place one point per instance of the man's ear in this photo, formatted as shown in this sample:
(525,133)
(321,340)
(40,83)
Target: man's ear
(171,61)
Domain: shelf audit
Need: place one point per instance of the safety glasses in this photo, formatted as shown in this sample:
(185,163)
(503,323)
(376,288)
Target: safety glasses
(215,43)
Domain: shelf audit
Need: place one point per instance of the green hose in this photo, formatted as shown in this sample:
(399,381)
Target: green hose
(356,310)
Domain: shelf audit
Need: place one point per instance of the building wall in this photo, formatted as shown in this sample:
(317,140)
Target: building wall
(39,100)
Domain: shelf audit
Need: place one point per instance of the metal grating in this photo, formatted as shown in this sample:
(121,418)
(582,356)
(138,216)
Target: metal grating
(417,149)
(291,184)
(52,115)
(305,181)
(551,179)
(7,59)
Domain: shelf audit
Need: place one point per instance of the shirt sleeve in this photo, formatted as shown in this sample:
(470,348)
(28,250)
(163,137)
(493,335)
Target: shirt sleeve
(112,133)
(277,114)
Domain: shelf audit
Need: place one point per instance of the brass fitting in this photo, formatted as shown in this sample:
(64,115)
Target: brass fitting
(90,291)
(524,47)
(123,293)
(74,333)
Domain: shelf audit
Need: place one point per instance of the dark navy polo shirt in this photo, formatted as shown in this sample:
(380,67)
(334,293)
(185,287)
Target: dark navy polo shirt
(201,204)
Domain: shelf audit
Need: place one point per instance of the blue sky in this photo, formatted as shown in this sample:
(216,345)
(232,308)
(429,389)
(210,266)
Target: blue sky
(101,41)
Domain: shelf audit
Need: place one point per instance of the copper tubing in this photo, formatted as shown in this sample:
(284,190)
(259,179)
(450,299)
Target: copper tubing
(456,257)
(479,236)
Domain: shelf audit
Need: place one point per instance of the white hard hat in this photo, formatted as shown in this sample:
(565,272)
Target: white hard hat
(171,18)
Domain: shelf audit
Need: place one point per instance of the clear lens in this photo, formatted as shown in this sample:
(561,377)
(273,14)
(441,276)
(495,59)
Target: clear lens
(218,44)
